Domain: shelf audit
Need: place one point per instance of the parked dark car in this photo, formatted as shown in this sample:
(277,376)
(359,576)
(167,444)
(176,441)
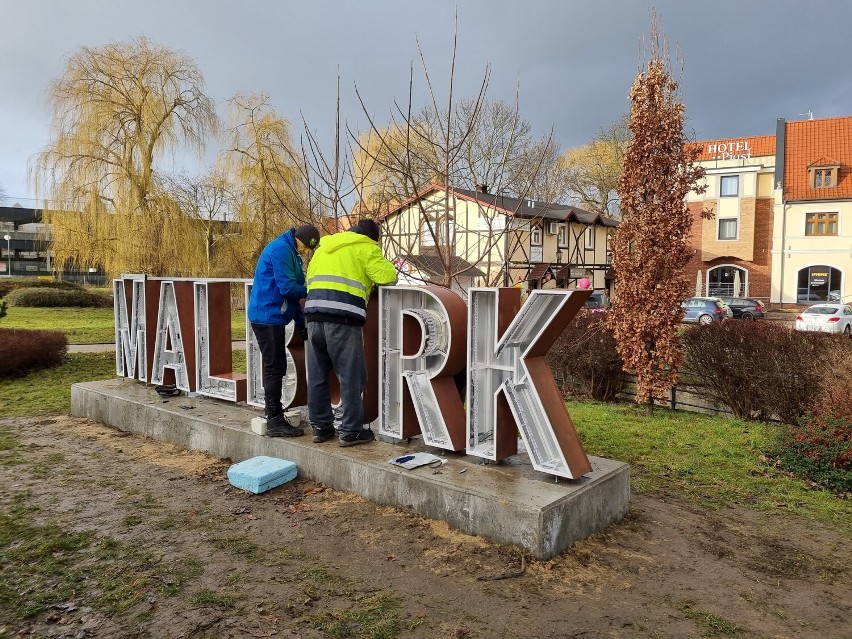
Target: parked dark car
(705,310)
(746,308)
(598,301)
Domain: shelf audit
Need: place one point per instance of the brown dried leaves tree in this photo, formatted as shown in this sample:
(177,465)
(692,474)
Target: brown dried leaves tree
(651,248)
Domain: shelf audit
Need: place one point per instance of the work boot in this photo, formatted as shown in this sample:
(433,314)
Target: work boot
(364,436)
(278,426)
(322,434)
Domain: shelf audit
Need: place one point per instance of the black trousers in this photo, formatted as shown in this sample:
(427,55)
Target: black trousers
(273,350)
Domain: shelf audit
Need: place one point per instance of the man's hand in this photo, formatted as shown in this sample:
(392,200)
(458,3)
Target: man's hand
(302,330)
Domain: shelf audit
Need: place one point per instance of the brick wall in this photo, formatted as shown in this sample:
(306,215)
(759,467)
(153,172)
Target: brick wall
(759,268)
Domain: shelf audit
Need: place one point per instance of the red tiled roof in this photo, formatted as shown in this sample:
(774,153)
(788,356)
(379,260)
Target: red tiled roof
(810,142)
(757,146)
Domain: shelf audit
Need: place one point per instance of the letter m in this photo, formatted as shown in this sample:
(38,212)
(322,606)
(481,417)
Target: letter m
(130,345)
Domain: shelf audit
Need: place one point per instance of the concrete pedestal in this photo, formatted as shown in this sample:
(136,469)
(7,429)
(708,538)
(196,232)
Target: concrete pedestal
(507,503)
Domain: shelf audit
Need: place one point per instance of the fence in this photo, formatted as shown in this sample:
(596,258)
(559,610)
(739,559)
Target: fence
(679,398)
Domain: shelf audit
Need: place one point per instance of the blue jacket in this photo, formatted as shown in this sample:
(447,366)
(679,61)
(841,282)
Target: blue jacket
(279,283)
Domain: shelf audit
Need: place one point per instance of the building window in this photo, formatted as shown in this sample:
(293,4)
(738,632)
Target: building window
(536,235)
(728,229)
(821,224)
(433,229)
(492,223)
(818,284)
(824,177)
(562,236)
(723,280)
(729,186)
(590,238)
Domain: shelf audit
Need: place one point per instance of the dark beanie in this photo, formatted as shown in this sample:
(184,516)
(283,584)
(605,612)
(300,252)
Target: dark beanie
(369,228)
(309,235)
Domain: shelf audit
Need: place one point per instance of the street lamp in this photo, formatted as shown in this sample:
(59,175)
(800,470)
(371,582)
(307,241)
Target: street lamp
(8,239)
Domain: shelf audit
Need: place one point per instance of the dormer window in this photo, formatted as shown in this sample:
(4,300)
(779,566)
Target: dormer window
(823,176)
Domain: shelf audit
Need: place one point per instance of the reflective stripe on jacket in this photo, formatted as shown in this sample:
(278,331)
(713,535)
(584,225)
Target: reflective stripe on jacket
(341,275)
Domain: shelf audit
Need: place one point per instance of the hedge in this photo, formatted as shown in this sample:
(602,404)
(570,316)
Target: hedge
(9,284)
(24,350)
(49,297)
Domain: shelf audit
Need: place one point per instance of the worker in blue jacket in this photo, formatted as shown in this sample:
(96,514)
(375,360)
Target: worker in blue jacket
(279,285)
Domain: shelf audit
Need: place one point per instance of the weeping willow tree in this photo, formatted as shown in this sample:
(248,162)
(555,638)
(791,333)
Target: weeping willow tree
(119,110)
(206,202)
(268,173)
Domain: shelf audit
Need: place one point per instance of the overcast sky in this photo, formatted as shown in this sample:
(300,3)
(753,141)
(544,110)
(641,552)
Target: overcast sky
(746,62)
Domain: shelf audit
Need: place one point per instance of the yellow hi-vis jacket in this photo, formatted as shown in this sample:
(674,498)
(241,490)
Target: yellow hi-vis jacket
(341,275)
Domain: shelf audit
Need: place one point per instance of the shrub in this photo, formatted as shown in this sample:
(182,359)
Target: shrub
(756,369)
(835,396)
(820,449)
(9,284)
(585,359)
(49,297)
(2,309)
(25,350)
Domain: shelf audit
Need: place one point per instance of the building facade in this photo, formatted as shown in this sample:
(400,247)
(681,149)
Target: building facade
(770,223)
(496,240)
(25,253)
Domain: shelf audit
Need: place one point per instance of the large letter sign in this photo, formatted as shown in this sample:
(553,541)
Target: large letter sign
(506,368)
(170,351)
(294,386)
(420,343)
(130,343)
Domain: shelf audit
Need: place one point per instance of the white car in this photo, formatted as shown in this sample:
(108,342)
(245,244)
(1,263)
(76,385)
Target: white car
(826,318)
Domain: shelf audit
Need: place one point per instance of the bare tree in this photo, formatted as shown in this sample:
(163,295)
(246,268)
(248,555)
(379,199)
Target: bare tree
(651,247)
(472,144)
(207,202)
(590,173)
(117,111)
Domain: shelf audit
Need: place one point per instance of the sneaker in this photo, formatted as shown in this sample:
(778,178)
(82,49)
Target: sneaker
(364,436)
(322,434)
(279,427)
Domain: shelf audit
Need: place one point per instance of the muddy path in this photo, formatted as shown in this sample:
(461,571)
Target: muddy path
(168,549)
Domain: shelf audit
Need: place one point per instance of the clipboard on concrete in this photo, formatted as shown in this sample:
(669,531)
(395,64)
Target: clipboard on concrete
(411,461)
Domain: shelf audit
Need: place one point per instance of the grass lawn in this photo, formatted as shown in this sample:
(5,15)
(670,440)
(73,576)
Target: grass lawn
(86,325)
(709,460)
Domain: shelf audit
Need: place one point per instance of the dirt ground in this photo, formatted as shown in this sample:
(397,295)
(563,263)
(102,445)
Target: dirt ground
(281,563)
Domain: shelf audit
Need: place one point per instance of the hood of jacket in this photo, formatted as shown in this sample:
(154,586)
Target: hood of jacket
(332,243)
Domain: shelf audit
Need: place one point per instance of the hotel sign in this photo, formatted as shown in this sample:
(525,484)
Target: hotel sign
(729,150)
(417,342)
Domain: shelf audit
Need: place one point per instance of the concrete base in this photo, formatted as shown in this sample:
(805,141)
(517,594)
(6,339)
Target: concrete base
(507,503)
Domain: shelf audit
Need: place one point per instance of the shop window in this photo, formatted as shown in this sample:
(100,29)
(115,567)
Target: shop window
(729,186)
(818,284)
(821,223)
(723,280)
(728,229)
